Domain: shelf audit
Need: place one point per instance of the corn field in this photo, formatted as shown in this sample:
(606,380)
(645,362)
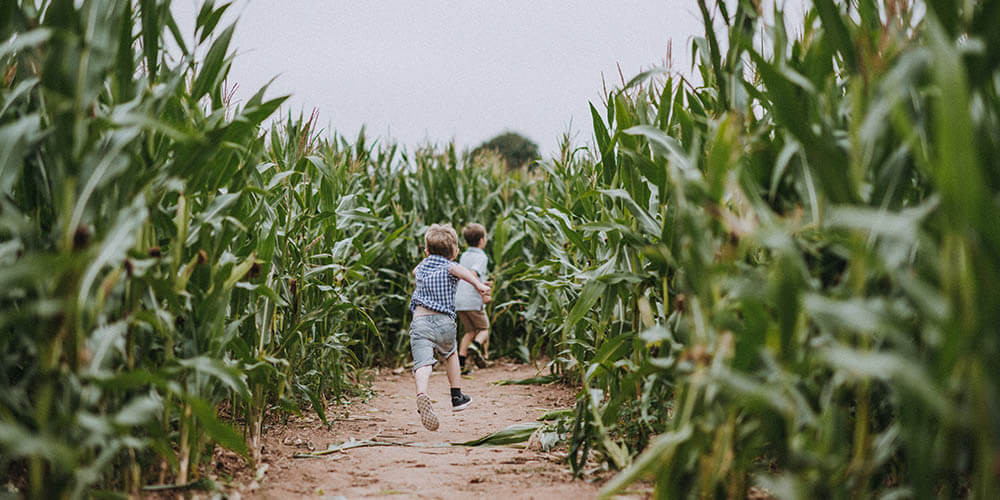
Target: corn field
(782,278)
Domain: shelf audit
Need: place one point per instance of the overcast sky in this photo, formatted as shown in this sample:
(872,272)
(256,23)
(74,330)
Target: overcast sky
(463,70)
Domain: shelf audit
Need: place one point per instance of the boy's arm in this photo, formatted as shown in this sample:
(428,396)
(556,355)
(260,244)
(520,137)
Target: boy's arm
(463,272)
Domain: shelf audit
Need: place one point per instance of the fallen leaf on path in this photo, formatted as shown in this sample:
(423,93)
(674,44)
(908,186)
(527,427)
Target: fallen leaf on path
(336,447)
(540,380)
(516,433)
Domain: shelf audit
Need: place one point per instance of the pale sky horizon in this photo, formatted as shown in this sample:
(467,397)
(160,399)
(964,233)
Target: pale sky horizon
(436,71)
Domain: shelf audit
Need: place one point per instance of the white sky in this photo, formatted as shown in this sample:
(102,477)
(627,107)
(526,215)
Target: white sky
(463,70)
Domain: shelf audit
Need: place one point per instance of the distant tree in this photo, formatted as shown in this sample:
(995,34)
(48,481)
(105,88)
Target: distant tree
(515,149)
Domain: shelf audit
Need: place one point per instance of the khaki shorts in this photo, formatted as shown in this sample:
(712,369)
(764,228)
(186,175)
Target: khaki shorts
(474,321)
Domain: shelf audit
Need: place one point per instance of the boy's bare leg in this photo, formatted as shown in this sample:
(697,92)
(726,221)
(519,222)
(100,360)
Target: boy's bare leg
(453,370)
(421,376)
(483,337)
(463,345)
(424,405)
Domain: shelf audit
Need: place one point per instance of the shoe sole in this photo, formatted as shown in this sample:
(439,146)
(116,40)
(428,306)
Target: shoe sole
(427,416)
(461,406)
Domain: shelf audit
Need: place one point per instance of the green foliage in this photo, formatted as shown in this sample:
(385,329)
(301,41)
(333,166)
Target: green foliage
(514,149)
(784,278)
(794,285)
(170,272)
(136,300)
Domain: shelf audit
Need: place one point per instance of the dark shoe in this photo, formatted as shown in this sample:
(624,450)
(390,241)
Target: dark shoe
(476,352)
(427,416)
(460,402)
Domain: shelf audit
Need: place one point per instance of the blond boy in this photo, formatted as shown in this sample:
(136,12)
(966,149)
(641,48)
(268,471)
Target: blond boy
(433,327)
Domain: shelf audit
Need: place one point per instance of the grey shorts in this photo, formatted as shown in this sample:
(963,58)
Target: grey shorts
(434,332)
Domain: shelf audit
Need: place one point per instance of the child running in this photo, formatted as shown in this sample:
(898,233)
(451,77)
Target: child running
(470,305)
(433,326)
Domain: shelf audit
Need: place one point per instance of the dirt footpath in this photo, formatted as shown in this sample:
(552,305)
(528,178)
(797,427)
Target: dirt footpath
(429,470)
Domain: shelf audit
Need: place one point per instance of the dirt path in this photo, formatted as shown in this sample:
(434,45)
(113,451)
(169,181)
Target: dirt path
(424,472)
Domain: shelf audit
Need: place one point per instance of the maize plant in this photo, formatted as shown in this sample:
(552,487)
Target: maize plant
(780,279)
(793,283)
(171,271)
(145,318)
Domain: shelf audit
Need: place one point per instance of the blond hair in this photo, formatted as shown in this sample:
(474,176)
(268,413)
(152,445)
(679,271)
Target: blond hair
(441,239)
(473,233)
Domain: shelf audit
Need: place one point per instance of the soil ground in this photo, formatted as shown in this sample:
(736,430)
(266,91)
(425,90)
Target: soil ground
(424,471)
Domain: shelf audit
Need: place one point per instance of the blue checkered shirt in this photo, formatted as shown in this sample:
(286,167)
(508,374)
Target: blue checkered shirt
(435,286)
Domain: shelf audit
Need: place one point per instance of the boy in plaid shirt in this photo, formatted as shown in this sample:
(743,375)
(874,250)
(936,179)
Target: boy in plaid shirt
(433,326)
